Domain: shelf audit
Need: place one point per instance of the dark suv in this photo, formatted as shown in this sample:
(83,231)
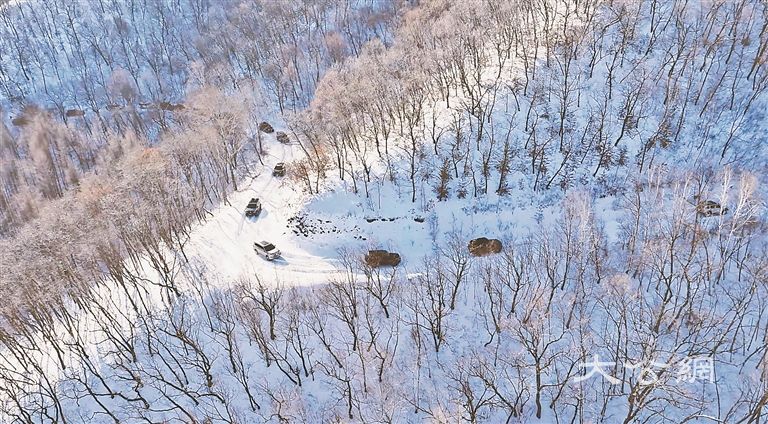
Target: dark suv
(253,208)
(279,170)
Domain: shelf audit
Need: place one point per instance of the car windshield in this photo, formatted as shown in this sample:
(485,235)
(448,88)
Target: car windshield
(269,246)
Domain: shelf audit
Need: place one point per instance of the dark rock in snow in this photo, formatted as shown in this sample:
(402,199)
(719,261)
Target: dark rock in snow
(378,258)
(20,121)
(483,246)
(171,106)
(710,208)
(282,137)
(71,113)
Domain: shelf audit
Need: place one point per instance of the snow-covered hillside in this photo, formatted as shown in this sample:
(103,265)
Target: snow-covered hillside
(616,150)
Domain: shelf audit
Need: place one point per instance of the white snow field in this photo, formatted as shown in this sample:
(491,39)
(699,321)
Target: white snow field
(341,220)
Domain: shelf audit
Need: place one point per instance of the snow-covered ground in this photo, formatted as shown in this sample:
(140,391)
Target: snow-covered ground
(224,243)
(586,287)
(310,231)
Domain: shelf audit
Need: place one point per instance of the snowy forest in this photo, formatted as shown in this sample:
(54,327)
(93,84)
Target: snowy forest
(616,149)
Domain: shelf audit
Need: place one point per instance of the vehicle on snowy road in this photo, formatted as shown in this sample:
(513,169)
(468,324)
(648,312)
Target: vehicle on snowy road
(253,208)
(267,250)
(279,170)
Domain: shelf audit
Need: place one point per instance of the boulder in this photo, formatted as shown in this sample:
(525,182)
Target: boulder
(20,121)
(630,121)
(710,208)
(266,128)
(378,258)
(483,246)
(71,113)
(282,137)
(172,107)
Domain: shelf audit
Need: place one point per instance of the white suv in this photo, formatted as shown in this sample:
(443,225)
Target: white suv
(266,249)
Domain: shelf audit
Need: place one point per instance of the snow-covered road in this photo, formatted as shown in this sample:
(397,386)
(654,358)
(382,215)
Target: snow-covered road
(224,243)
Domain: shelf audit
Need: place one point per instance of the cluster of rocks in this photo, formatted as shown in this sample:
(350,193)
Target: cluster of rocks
(374,219)
(302,225)
(167,106)
(24,117)
(418,219)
